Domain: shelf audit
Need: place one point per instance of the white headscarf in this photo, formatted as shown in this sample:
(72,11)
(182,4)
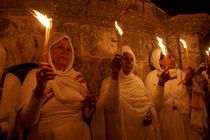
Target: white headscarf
(53,40)
(155,62)
(68,85)
(155,57)
(127,48)
(134,103)
(132,90)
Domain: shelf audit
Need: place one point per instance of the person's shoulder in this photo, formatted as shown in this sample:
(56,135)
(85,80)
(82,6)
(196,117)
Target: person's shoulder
(151,73)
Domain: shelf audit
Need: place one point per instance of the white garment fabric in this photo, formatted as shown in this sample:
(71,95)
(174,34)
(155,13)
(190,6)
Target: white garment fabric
(128,98)
(60,117)
(172,102)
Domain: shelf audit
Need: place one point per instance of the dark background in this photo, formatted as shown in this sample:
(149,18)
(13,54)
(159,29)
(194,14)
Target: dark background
(174,7)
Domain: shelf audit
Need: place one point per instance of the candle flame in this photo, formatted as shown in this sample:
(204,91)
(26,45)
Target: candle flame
(184,43)
(120,31)
(209,49)
(161,45)
(47,22)
(207,52)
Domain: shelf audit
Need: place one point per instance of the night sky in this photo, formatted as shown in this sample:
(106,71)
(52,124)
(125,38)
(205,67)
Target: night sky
(174,7)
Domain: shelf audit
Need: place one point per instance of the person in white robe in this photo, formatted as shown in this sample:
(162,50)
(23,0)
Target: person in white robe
(170,98)
(54,97)
(123,110)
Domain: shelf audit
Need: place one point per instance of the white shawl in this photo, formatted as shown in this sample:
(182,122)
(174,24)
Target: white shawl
(68,85)
(134,104)
(68,80)
(173,93)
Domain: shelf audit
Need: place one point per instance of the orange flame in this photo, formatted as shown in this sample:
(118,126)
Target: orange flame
(120,31)
(47,22)
(207,52)
(161,45)
(184,43)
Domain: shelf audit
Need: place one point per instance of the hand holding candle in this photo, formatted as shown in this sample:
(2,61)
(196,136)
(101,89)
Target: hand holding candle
(47,22)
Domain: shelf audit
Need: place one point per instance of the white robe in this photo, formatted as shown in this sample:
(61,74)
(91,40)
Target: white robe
(60,117)
(56,119)
(174,123)
(127,101)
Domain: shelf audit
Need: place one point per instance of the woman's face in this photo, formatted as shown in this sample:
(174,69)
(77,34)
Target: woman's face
(127,63)
(169,61)
(60,53)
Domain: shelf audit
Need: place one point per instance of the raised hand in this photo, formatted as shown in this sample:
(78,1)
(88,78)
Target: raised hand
(164,77)
(116,65)
(43,75)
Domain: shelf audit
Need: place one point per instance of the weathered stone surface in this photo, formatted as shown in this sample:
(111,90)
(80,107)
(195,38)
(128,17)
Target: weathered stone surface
(98,42)
(90,24)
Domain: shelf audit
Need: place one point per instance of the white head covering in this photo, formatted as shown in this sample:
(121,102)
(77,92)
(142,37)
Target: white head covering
(132,90)
(68,85)
(155,57)
(134,103)
(128,49)
(53,40)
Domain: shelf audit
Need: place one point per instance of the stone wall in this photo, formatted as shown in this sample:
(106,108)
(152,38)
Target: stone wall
(90,24)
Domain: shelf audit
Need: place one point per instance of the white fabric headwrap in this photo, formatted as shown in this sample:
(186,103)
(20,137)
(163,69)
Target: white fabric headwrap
(66,85)
(155,57)
(54,39)
(127,48)
(132,90)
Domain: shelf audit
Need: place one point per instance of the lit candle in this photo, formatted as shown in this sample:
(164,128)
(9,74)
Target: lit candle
(47,22)
(186,50)
(207,53)
(163,48)
(119,44)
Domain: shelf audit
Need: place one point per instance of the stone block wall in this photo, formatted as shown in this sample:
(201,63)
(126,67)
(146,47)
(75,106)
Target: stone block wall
(90,24)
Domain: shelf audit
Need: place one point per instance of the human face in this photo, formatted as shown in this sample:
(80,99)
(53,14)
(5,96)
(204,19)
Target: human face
(60,53)
(168,61)
(127,63)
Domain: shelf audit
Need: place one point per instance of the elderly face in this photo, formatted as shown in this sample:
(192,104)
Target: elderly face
(127,63)
(60,53)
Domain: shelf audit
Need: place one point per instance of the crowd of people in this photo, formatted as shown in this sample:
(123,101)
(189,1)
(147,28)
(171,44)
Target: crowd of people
(54,101)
